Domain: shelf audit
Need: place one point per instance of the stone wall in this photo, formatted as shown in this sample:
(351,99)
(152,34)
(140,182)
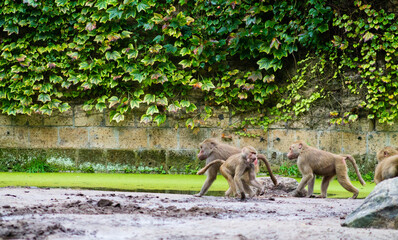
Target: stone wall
(82,139)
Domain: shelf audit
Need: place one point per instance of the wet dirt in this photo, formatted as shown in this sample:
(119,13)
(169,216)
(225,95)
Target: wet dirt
(32,213)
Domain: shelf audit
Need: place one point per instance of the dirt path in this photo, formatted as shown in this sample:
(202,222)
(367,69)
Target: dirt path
(31,213)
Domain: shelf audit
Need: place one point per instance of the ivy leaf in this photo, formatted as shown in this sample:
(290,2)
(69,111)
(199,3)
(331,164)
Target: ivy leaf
(55,79)
(255,76)
(152,110)
(135,103)
(142,6)
(146,119)
(189,123)
(368,36)
(242,95)
(118,117)
(11,29)
(63,107)
(113,101)
(112,55)
(170,48)
(139,77)
(239,82)
(101,4)
(159,119)
(207,85)
(149,98)
(174,107)
(192,107)
(114,12)
(44,98)
(323,28)
(185,63)
(162,101)
(185,103)
(100,106)
(264,63)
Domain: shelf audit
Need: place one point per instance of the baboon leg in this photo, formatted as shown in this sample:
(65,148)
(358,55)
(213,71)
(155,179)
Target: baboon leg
(343,179)
(307,176)
(247,189)
(211,176)
(227,174)
(325,185)
(239,172)
(311,184)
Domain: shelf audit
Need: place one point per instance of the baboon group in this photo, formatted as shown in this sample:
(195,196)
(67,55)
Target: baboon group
(240,166)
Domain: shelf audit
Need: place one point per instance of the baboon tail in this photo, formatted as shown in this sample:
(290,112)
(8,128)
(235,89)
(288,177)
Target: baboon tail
(354,164)
(203,170)
(264,159)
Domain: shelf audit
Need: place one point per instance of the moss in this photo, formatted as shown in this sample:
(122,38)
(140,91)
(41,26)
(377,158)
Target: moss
(151,158)
(183,161)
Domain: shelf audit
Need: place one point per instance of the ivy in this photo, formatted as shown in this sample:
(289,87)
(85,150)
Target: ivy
(120,55)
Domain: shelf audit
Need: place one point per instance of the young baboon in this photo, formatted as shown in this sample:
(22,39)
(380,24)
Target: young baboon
(239,170)
(211,149)
(312,161)
(388,164)
(386,152)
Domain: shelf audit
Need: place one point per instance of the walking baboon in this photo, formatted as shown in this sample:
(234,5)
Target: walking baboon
(388,164)
(239,170)
(312,161)
(211,149)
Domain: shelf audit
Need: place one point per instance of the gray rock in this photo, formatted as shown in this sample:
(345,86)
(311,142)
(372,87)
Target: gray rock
(379,210)
(284,187)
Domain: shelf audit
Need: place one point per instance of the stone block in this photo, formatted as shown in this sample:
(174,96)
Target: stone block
(86,119)
(191,138)
(378,140)
(354,143)
(5,120)
(72,137)
(162,138)
(121,160)
(92,158)
(385,127)
(280,140)
(182,161)
(308,136)
(103,137)
(151,158)
(14,137)
(362,125)
(26,120)
(63,158)
(59,119)
(330,141)
(133,138)
(43,137)
(260,142)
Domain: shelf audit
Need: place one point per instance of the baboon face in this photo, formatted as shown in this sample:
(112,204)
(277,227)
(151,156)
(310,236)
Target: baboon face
(294,151)
(205,150)
(385,153)
(250,154)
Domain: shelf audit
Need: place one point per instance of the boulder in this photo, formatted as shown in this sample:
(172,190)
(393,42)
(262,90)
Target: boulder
(379,210)
(284,187)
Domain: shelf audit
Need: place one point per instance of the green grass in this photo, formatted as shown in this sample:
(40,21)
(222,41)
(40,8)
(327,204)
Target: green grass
(144,182)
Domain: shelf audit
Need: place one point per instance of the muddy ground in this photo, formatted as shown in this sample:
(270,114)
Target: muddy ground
(32,213)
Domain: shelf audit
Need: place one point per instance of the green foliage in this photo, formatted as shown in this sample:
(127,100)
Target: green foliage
(289,170)
(368,48)
(121,54)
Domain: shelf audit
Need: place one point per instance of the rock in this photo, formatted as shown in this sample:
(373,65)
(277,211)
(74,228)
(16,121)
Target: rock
(379,210)
(104,203)
(285,185)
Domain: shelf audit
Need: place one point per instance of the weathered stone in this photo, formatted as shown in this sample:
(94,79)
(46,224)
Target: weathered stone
(182,161)
(284,187)
(379,210)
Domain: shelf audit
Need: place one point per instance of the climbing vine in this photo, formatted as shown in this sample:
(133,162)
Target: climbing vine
(157,57)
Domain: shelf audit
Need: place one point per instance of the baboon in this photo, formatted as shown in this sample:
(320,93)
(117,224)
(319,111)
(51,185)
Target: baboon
(211,149)
(235,169)
(388,164)
(312,161)
(386,152)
